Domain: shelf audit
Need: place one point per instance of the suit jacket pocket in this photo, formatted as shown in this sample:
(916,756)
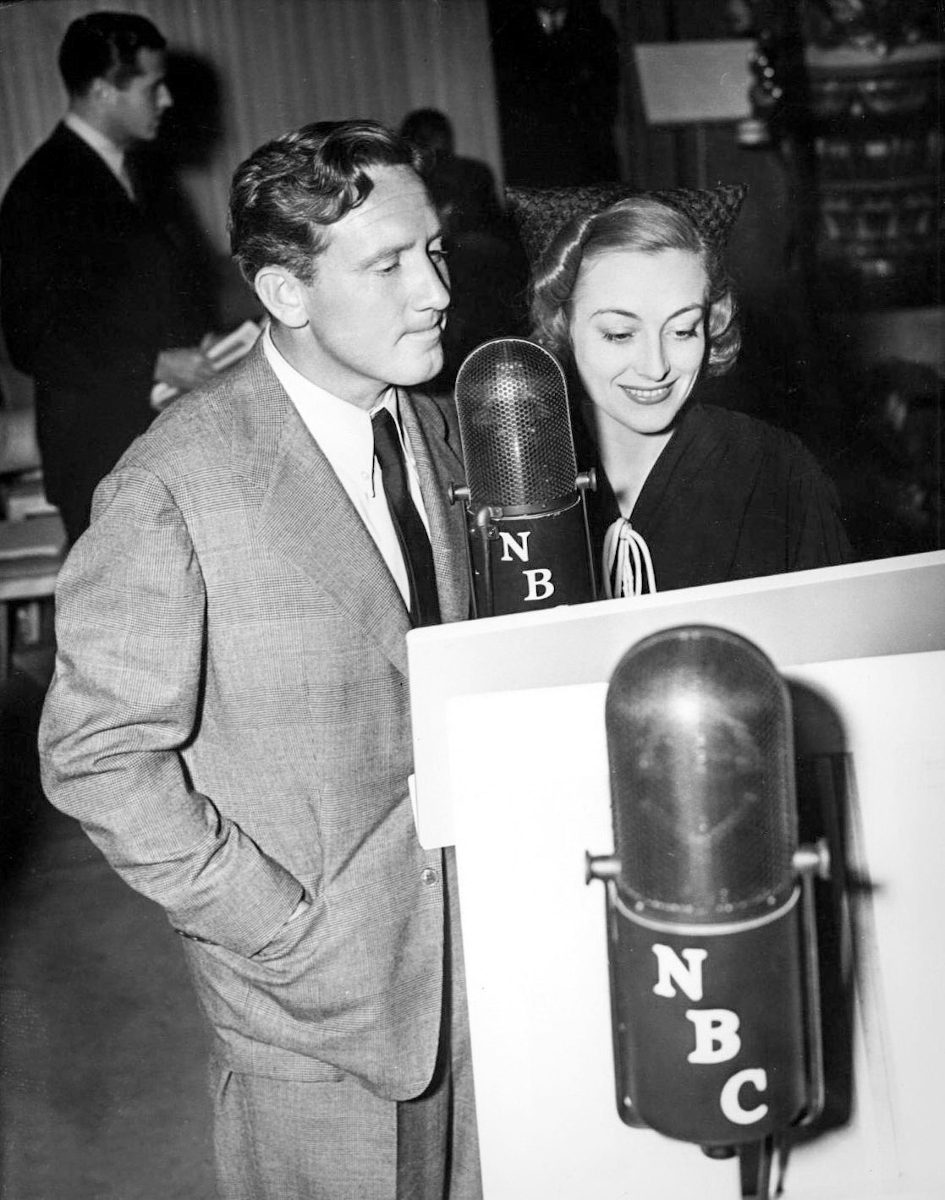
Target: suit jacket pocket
(280,985)
(287,943)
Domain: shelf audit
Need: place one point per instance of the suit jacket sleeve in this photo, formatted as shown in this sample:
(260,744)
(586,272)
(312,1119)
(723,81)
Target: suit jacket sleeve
(30,236)
(90,286)
(122,706)
(816,534)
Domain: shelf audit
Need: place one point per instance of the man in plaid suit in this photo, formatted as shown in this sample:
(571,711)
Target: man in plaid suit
(229,714)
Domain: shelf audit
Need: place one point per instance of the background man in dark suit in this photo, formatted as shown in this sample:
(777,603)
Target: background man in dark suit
(92,292)
(229,715)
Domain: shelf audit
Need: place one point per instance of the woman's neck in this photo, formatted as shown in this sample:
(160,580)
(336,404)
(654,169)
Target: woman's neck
(627,458)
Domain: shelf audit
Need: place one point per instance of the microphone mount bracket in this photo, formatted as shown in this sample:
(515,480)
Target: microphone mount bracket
(813,861)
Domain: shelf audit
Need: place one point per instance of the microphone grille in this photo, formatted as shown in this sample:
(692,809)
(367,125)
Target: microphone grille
(702,777)
(515,425)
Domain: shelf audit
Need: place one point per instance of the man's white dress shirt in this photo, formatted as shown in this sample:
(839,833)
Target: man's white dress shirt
(346,437)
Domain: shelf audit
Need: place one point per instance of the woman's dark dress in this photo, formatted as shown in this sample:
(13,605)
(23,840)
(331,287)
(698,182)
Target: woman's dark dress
(730,497)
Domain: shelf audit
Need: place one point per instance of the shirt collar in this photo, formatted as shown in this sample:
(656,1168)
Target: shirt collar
(103,146)
(342,430)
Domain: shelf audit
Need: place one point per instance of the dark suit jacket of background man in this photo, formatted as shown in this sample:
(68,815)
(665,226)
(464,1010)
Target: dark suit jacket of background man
(91,290)
(240,729)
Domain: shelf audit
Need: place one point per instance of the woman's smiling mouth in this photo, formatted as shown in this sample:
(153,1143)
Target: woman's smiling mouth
(648,395)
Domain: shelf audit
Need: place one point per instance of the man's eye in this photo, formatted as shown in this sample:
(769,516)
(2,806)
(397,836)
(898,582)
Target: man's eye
(439,254)
(388,268)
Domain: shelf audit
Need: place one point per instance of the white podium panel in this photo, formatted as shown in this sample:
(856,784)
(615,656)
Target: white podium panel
(511,758)
(536,953)
(893,606)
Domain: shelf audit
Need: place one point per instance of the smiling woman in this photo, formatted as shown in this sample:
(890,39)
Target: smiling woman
(634,299)
(637,332)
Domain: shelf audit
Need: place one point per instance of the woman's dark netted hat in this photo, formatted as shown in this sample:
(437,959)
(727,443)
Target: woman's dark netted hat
(538,213)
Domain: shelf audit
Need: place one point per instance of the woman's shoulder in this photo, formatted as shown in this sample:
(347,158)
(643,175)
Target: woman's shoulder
(760,473)
(741,431)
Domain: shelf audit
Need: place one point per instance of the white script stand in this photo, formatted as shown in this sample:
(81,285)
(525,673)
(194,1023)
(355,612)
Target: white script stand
(511,765)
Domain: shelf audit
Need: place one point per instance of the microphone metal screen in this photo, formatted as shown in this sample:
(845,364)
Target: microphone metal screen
(702,777)
(515,425)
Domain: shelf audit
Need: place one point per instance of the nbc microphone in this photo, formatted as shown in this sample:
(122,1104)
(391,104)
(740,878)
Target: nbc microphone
(529,544)
(710,909)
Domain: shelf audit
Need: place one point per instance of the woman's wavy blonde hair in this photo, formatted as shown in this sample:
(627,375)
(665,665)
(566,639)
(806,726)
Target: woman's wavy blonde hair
(648,226)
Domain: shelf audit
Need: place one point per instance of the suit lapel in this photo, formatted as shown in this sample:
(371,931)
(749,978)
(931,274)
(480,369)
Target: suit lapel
(306,514)
(91,166)
(437,467)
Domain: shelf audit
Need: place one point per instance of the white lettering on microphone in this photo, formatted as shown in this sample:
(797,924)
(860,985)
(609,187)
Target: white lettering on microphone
(514,545)
(540,586)
(687,976)
(731,1102)
(717,1037)
(716,1030)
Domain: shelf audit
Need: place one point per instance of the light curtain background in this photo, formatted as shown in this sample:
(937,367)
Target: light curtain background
(279,64)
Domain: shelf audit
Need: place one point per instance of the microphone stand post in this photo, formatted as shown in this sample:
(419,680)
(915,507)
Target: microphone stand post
(587,481)
(812,862)
(754,1168)
(483,523)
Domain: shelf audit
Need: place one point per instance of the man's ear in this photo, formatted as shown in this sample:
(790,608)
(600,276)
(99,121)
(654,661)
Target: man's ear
(101,95)
(281,294)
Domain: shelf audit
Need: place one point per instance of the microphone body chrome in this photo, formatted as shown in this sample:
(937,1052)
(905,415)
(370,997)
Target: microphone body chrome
(528,536)
(710,930)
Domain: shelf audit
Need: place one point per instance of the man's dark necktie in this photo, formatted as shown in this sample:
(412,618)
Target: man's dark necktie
(411,533)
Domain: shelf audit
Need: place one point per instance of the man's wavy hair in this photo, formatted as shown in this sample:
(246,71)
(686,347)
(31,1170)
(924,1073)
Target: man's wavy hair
(648,226)
(288,193)
(105,45)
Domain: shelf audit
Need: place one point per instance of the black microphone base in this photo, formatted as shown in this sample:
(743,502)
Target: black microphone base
(525,562)
(708,1024)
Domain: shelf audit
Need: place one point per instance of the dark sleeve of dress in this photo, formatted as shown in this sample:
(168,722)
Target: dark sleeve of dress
(816,536)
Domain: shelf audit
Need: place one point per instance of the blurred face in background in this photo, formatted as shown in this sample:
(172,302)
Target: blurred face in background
(638,334)
(132,113)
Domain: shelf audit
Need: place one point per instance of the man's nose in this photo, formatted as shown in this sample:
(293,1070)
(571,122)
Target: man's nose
(433,289)
(164,97)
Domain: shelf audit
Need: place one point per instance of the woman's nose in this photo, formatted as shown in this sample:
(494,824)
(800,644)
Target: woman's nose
(652,363)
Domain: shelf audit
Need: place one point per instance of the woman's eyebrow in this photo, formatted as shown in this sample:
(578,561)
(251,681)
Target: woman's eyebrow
(625,312)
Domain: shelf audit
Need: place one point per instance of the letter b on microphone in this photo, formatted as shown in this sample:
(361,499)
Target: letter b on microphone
(714,994)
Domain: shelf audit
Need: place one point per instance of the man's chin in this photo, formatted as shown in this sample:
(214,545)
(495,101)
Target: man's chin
(423,372)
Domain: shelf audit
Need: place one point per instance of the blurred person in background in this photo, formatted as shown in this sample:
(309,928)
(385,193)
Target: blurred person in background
(488,274)
(557,79)
(96,301)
